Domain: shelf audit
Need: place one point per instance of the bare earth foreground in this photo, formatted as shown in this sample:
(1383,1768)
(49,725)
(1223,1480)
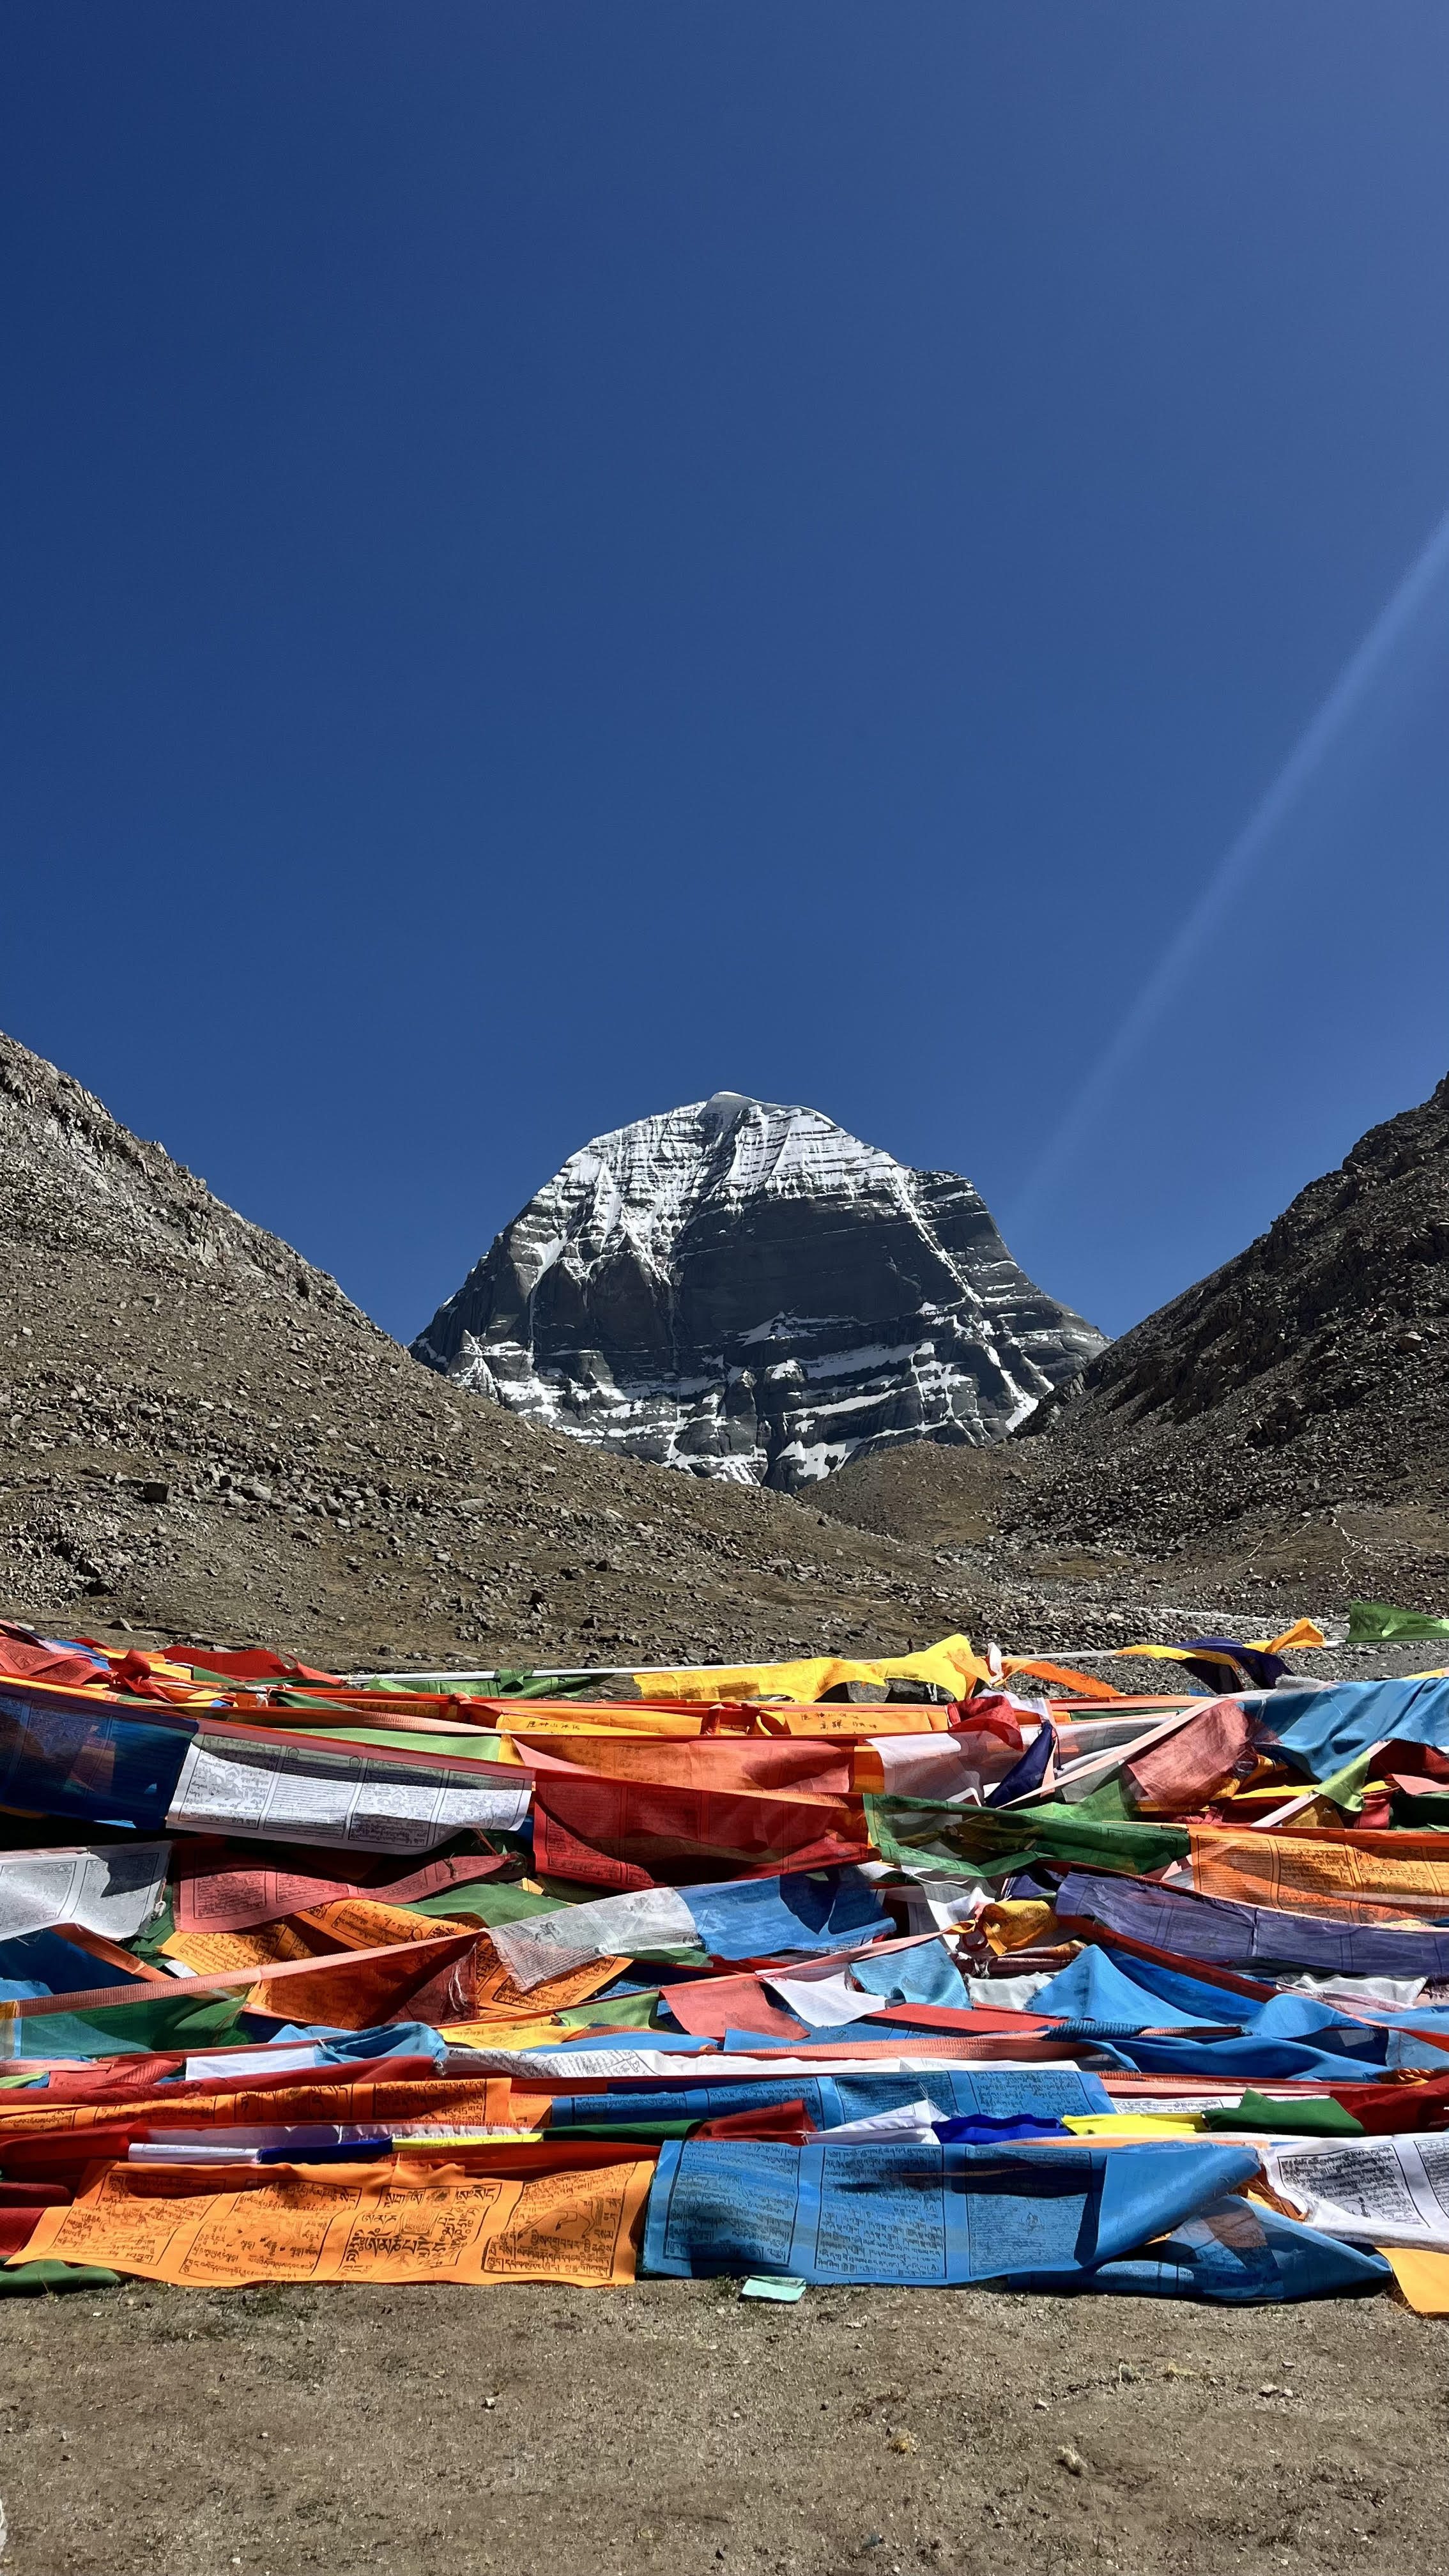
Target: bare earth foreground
(669,2426)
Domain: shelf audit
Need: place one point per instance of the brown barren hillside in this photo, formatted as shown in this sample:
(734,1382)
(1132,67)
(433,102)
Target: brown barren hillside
(200,1434)
(1291,1411)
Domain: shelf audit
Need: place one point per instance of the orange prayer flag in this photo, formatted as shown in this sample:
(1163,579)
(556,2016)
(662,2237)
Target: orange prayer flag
(206,1953)
(399,2221)
(1355,1877)
(1422,2276)
(471,2098)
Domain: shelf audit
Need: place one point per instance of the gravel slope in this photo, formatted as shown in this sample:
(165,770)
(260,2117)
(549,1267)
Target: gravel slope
(200,1435)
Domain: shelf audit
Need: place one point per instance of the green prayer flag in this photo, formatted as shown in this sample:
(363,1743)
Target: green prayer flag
(485,1901)
(648,2132)
(624,2012)
(175,2020)
(1345,1788)
(1323,2118)
(32,2280)
(995,1841)
(1374,1623)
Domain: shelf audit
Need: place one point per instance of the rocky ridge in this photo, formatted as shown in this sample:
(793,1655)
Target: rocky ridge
(1288,1416)
(747,1291)
(200,1434)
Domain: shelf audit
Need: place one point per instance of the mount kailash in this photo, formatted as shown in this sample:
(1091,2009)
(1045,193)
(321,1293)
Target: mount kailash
(747,1291)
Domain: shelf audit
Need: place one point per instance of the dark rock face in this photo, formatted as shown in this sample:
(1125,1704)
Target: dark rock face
(746,1291)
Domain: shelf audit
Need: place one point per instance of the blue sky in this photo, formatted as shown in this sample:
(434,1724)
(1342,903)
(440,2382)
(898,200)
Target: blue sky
(563,558)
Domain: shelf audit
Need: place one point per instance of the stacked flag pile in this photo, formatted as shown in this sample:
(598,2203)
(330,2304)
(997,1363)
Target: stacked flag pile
(943,1969)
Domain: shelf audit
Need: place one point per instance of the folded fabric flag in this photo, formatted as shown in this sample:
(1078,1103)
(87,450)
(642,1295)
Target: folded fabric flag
(349,2047)
(1313,2117)
(911,2214)
(1231,1935)
(1192,1765)
(710,2006)
(45,1963)
(628,1834)
(1048,2092)
(910,2121)
(1372,1623)
(1094,1988)
(760,1766)
(1366,1876)
(823,2003)
(982,2129)
(949,1769)
(39,2280)
(1034,1772)
(950,1666)
(175,2020)
(1320,1731)
(1384,2108)
(1010,1839)
(827,1909)
(1290,2037)
(40,2139)
(1423,2278)
(925,1975)
(1236,2251)
(114,1889)
(1219,1662)
(26,1657)
(759,1918)
(224,1895)
(544,1945)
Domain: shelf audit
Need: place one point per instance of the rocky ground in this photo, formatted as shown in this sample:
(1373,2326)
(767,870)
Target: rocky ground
(674,2428)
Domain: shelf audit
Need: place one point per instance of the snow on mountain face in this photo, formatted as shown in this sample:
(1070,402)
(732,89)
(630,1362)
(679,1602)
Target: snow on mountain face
(747,1291)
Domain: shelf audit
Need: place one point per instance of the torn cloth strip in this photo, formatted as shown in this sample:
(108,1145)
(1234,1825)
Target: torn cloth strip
(920,2215)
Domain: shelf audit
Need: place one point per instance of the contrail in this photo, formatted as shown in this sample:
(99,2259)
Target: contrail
(1383,641)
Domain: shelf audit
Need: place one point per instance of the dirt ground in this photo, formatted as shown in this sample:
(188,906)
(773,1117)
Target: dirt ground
(155,2432)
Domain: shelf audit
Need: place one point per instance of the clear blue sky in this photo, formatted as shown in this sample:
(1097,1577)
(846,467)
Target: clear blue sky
(560,558)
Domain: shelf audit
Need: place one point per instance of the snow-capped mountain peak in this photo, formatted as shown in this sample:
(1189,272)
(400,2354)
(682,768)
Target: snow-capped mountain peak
(745,1289)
